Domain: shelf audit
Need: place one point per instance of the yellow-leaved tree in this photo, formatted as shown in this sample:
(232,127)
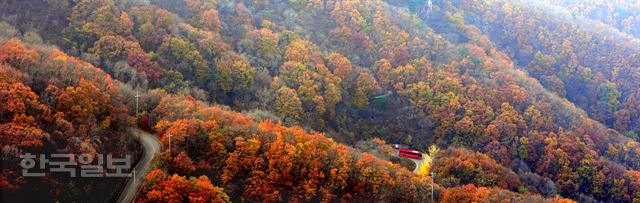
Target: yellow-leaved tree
(428,161)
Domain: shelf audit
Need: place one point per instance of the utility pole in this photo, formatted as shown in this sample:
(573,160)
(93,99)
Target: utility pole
(134,177)
(433,176)
(137,96)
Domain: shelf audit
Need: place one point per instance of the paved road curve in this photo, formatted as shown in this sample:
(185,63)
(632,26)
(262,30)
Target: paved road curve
(418,162)
(151,148)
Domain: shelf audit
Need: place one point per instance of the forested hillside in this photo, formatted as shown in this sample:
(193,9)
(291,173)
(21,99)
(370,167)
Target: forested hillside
(54,103)
(527,99)
(588,62)
(622,15)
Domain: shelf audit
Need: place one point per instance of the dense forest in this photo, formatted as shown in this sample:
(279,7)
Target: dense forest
(527,101)
(55,103)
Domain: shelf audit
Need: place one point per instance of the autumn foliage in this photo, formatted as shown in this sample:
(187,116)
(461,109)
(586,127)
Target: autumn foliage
(53,103)
(165,188)
(268,161)
(528,99)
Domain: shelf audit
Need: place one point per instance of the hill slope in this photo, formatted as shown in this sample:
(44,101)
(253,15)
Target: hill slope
(363,69)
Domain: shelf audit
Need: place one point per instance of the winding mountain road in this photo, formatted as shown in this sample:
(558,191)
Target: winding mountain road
(151,147)
(418,162)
